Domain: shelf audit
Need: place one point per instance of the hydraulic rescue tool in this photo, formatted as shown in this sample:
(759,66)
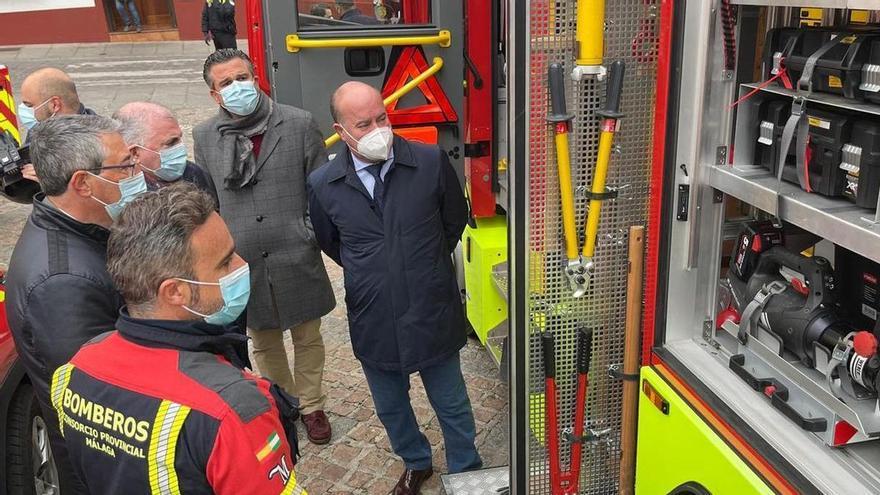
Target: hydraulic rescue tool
(579,266)
(590,37)
(792,327)
(566,482)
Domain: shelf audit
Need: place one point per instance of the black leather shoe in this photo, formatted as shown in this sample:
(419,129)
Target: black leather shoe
(411,481)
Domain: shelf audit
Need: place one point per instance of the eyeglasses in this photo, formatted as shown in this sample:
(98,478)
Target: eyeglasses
(129,166)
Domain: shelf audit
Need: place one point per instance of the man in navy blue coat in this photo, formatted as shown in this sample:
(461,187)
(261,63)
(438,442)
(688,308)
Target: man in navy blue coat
(390,212)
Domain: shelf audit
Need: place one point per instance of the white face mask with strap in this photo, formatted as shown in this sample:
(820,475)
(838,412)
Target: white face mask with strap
(375,145)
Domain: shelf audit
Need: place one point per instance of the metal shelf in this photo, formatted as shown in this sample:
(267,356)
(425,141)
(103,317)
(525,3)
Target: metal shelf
(821,98)
(827,4)
(837,220)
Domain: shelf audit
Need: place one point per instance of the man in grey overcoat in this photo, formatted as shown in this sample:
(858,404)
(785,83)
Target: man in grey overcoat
(259,154)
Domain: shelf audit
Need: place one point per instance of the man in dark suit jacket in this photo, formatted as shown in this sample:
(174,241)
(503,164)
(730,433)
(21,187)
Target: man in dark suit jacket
(390,212)
(156,141)
(258,154)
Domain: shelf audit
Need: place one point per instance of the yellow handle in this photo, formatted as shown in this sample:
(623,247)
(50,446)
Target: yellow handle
(295,43)
(601,172)
(406,88)
(590,33)
(563,164)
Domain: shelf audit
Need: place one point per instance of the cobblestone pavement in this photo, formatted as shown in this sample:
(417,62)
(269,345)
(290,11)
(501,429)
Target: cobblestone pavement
(358,459)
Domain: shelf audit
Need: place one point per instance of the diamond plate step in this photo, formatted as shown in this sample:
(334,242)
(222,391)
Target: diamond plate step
(482,482)
(500,279)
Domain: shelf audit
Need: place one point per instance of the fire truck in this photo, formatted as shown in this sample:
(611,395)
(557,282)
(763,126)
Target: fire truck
(674,249)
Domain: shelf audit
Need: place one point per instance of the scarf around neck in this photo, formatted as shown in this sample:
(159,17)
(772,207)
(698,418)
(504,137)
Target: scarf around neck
(235,132)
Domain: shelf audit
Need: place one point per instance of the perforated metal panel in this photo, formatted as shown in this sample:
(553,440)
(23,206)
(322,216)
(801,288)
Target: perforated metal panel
(631,34)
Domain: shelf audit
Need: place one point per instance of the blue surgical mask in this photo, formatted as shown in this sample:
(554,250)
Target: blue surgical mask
(235,289)
(172,162)
(26,115)
(240,97)
(129,189)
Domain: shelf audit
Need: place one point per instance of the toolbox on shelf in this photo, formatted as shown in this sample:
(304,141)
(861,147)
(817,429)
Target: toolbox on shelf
(860,161)
(838,70)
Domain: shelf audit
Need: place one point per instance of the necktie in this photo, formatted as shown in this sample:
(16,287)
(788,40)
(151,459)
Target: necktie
(378,186)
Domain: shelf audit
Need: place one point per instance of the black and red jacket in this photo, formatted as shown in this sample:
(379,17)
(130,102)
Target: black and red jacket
(156,407)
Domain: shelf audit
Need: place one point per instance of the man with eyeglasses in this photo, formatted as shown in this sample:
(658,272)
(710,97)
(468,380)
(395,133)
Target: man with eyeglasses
(59,294)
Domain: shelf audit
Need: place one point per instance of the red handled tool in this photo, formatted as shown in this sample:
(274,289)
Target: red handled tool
(566,482)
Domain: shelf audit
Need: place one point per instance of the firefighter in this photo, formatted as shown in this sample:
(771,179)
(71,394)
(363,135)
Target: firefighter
(160,405)
(218,23)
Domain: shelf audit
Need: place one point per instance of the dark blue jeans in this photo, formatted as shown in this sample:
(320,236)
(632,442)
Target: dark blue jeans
(135,19)
(448,396)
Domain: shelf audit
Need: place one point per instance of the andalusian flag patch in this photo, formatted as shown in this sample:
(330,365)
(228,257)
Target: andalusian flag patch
(272,444)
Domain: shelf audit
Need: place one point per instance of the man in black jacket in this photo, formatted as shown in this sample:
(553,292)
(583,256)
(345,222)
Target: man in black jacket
(390,212)
(59,294)
(218,23)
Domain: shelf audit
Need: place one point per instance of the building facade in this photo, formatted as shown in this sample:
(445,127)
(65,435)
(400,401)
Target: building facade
(24,22)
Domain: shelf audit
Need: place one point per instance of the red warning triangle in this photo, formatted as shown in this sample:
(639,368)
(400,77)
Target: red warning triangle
(437,110)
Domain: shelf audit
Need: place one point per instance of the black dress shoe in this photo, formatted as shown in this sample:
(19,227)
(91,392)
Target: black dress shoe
(411,481)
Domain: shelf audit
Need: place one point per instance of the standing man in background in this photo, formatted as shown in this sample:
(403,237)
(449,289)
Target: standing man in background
(218,23)
(156,142)
(133,21)
(259,154)
(46,93)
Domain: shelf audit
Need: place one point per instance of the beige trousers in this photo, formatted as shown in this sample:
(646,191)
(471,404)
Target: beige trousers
(308,362)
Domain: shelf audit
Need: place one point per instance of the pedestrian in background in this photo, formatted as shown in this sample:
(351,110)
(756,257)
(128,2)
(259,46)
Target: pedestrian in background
(218,23)
(390,212)
(132,21)
(259,154)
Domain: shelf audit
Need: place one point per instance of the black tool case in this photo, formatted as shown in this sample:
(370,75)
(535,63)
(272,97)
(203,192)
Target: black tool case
(870,85)
(829,131)
(838,71)
(860,161)
(772,114)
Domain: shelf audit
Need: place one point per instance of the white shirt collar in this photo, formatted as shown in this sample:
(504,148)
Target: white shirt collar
(361,165)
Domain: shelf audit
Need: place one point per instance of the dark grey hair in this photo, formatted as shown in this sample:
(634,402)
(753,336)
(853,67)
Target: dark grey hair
(137,118)
(64,144)
(150,242)
(222,56)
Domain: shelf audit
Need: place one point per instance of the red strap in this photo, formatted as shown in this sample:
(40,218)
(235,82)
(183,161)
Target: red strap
(781,74)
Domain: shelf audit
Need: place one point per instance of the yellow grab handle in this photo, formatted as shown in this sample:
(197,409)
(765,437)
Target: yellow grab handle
(443,38)
(590,33)
(605,141)
(563,164)
(406,88)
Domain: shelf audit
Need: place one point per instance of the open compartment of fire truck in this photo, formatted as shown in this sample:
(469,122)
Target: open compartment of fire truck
(772,296)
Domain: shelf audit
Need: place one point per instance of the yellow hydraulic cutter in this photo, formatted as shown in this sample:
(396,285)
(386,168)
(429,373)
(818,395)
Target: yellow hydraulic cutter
(579,266)
(590,40)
